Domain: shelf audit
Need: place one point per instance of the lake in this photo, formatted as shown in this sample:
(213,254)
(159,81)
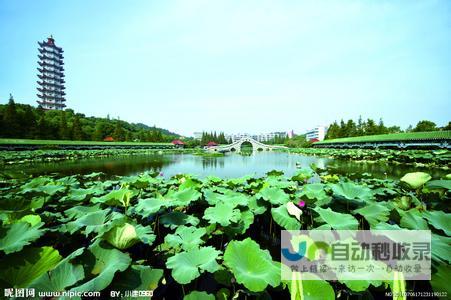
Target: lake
(229,166)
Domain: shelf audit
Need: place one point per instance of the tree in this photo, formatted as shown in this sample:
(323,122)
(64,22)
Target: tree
(119,134)
(99,132)
(371,127)
(381,129)
(351,128)
(447,127)
(425,125)
(11,119)
(360,130)
(77,133)
(63,131)
(333,132)
(28,123)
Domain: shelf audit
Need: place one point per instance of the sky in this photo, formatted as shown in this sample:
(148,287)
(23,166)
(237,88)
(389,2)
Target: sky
(237,66)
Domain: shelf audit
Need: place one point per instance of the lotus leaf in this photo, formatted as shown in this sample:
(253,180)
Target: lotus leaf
(138,278)
(222,213)
(274,195)
(337,220)
(186,237)
(22,268)
(374,213)
(65,274)
(125,235)
(102,262)
(282,217)
(315,193)
(416,179)
(440,220)
(196,295)
(308,286)
(17,235)
(188,265)
(252,266)
(352,191)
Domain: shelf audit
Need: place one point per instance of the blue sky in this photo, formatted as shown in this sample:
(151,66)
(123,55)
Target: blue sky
(237,66)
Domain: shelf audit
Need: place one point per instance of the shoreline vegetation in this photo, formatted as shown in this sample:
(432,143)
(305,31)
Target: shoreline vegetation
(421,158)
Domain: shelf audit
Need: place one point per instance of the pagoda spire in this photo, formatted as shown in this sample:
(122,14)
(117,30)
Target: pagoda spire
(51,74)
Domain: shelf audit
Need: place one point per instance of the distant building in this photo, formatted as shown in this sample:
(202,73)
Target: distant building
(51,74)
(316,134)
(197,135)
(262,137)
(290,134)
(211,144)
(108,139)
(178,143)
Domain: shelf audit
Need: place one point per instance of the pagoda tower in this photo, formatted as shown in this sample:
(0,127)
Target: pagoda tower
(51,83)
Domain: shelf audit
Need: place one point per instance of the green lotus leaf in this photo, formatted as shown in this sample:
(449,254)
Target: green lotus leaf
(177,218)
(79,211)
(315,193)
(147,207)
(374,213)
(337,220)
(183,197)
(308,286)
(188,265)
(101,263)
(416,179)
(412,219)
(257,206)
(121,197)
(251,266)
(229,197)
(22,268)
(17,235)
(246,219)
(138,278)
(196,295)
(440,220)
(439,184)
(42,185)
(302,175)
(274,195)
(284,219)
(33,220)
(186,237)
(279,182)
(440,248)
(78,194)
(352,191)
(222,213)
(99,222)
(64,275)
(125,235)
(440,279)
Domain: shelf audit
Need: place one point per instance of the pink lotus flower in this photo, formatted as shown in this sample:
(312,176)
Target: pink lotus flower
(161,174)
(301,203)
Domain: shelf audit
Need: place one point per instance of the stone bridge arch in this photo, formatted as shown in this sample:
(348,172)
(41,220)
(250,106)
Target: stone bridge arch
(256,145)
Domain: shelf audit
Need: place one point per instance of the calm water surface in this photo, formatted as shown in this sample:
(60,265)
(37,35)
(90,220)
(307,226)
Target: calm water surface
(229,166)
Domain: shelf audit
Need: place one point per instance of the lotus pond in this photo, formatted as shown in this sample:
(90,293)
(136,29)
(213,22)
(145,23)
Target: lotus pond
(209,236)
(191,238)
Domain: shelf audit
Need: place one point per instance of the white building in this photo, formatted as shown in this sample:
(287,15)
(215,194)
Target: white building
(262,137)
(197,135)
(317,133)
